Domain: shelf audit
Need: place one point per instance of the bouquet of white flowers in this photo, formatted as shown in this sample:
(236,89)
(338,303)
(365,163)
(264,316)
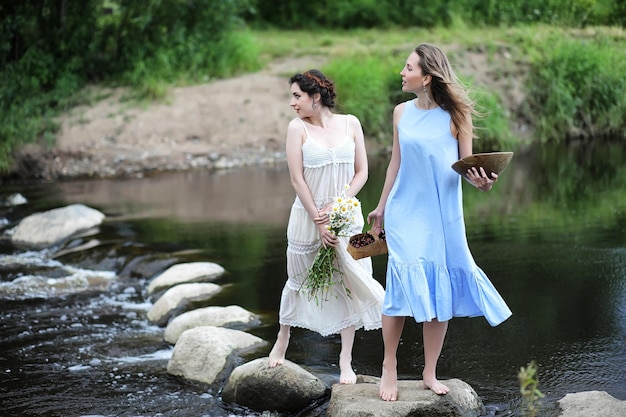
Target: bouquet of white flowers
(320,274)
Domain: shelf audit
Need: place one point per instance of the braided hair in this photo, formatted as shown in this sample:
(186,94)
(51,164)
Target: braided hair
(313,82)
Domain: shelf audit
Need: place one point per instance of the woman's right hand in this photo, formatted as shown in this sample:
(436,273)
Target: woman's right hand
(376,218)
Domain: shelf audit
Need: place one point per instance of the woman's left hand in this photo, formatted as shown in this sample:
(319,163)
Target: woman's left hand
(480,179)
(322,214)
(322,218)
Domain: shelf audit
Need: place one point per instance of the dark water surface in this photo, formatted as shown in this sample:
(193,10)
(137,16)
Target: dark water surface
(551,237)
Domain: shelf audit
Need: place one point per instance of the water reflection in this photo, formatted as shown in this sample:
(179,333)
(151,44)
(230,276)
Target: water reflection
(551,238)
(249,195)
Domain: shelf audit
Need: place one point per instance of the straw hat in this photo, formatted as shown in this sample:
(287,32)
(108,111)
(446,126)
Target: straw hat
(490,161)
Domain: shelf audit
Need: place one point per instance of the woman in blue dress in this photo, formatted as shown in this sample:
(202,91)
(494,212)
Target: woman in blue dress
(431,274)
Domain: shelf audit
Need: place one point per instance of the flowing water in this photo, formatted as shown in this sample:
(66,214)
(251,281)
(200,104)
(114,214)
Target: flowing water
(551,236)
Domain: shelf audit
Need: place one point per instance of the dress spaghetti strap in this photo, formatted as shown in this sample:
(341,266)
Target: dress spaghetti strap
(305,129)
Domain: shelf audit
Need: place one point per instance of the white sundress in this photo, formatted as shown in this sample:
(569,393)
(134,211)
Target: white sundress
(327,171)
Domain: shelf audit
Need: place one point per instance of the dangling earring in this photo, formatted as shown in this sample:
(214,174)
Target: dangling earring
(427,96)
(314,105)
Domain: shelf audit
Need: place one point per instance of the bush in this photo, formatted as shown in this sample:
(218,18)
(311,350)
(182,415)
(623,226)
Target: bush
(493,130)
(363,89)
(350,14)
(50,50)
(369,86)
(578,90)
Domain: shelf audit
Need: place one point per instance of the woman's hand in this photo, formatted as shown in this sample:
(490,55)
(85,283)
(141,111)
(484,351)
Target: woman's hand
(321,219)
(376,218)
(322,215)
(480,179)
(327,238)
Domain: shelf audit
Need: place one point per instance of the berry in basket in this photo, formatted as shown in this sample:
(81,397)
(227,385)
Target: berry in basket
(364,239)
(364,245)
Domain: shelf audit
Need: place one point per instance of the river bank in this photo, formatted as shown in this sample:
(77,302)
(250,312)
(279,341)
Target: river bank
(227,123)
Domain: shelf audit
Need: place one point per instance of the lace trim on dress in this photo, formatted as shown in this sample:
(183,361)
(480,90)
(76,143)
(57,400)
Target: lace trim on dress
(317,155)
(303,248)
(323,164)
(365,322)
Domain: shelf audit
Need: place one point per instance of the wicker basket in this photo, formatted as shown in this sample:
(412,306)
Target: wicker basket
(377,247)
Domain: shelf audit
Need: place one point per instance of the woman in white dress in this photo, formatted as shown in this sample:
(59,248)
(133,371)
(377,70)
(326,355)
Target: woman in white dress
(325,153)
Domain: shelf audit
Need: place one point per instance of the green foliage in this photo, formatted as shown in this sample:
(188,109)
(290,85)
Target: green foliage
(196,62)
(617,13)
(492,128)
(576,13)
(170,38)
(287,14)
(51,49)
(577,90)
(529,382)
(369,87)
(349,14)
(49,53)
(363,89)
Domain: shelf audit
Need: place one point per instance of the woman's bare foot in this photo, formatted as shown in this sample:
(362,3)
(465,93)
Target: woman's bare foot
(435,386)
(347,373)
(277,354)
(388,389)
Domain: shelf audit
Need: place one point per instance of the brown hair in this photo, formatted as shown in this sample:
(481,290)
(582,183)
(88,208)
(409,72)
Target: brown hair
(313,82)
(445,88)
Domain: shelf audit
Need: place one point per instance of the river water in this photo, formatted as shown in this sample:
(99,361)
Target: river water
(551,236)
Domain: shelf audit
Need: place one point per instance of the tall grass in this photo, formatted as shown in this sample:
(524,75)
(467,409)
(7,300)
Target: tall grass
(29,112)
(575,85)
(369,87)
(578,90)
(363,88)
(493,128)
(50,53)
(193,63)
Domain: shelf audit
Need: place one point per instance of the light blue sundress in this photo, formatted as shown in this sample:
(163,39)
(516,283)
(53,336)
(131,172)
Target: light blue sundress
(431,273)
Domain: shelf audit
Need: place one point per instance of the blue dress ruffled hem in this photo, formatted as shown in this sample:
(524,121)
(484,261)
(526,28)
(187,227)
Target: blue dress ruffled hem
(427,291)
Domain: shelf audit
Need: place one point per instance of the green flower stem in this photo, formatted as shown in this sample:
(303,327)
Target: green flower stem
(320,275)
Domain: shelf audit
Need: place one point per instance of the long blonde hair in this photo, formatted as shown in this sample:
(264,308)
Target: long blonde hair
(445,88)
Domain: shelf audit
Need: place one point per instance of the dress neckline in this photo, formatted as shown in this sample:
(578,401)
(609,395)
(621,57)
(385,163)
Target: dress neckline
(420,109)
(311,139)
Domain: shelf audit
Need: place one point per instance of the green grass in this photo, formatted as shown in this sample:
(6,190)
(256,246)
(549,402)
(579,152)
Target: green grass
(365,66)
